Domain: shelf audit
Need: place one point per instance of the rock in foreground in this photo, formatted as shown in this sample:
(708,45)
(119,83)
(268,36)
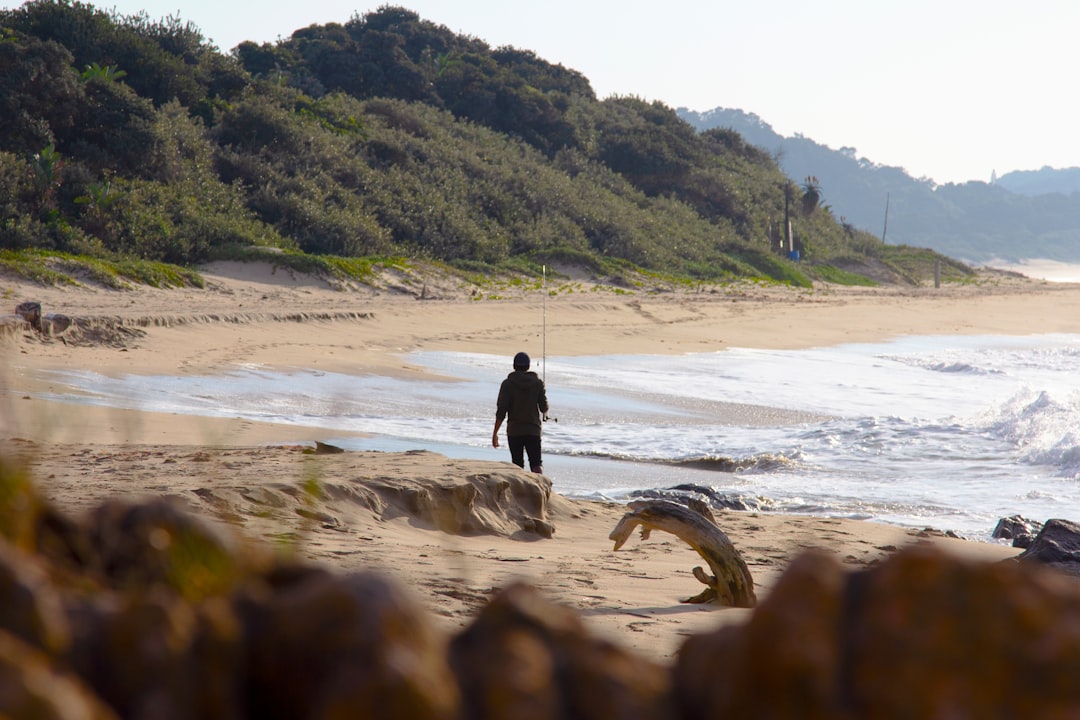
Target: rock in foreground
(923,635)
(144,611)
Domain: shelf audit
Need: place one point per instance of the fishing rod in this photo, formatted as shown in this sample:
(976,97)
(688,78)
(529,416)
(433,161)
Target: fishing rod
(543,342)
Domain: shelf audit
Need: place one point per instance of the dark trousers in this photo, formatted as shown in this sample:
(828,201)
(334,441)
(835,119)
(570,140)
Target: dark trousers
(521,444)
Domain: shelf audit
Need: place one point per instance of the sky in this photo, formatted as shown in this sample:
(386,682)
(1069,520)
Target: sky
(949,90)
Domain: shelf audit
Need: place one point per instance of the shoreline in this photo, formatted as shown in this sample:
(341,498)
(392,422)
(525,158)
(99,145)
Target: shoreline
(83,453)
(254,316)
(247,314)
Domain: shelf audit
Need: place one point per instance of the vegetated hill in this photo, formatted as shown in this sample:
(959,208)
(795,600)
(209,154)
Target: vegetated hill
(1044,181)
(973,221)
(385,135)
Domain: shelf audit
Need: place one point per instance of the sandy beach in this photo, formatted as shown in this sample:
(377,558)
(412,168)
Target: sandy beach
(245,474)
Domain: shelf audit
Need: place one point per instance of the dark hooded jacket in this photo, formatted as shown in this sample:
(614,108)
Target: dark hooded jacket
(521,401)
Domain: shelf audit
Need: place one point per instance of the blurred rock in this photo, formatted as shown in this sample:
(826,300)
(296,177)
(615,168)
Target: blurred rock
(144,611)
(32,688)
(320,645)
(30,607)
(33,525)
(922,635)
(1057,545)
(525,657)
(157,542)
(153,656)
(1018,529)
(21,507)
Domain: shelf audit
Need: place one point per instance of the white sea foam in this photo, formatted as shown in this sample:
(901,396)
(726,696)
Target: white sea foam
(1044,429)
(1042,269)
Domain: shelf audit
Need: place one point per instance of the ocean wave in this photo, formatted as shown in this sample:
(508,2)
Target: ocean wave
(1043,428)
(765,462)
(955,367)
(1039,495)
(994,361)
(961,367)
(714,497)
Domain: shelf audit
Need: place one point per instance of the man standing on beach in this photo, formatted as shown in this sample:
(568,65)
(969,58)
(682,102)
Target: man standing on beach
(522,399)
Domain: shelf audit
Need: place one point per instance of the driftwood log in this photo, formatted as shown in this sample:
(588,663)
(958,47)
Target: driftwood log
(730,583)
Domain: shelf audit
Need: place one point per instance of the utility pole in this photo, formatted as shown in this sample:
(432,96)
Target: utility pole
(787,217)
(884,229)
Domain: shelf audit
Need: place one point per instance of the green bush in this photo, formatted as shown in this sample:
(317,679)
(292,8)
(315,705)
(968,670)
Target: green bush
(838,276)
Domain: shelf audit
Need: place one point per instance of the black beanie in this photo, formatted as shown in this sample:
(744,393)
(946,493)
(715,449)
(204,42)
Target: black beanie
(521,361)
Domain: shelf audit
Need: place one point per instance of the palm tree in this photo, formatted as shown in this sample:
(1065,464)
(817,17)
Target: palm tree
(812,195)
(47,166)
(99,199)
(108,73)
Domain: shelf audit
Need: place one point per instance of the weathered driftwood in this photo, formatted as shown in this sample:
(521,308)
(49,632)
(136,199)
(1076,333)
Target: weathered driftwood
(730,583)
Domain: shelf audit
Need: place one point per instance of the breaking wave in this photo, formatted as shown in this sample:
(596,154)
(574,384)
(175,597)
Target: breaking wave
(1045,429)
(765,462)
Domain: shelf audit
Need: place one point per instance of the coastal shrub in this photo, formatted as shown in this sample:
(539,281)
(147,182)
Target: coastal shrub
(917,264)
(53,234)
(39,89)
(29,265)
(707,272)
(60,268)
(863,243)
(358,269)
(838,276)
(112,129)
(573,257)
(83,269)
(153,273)
(17,187)
(161,59)
(181,147)
(21,232)
(771,266)
(179,221)
(317,219)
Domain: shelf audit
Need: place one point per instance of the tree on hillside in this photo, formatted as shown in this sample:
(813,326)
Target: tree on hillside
(163,59)
(95,72)
(811,194)
(48,168)
(39,92)
(647,143)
